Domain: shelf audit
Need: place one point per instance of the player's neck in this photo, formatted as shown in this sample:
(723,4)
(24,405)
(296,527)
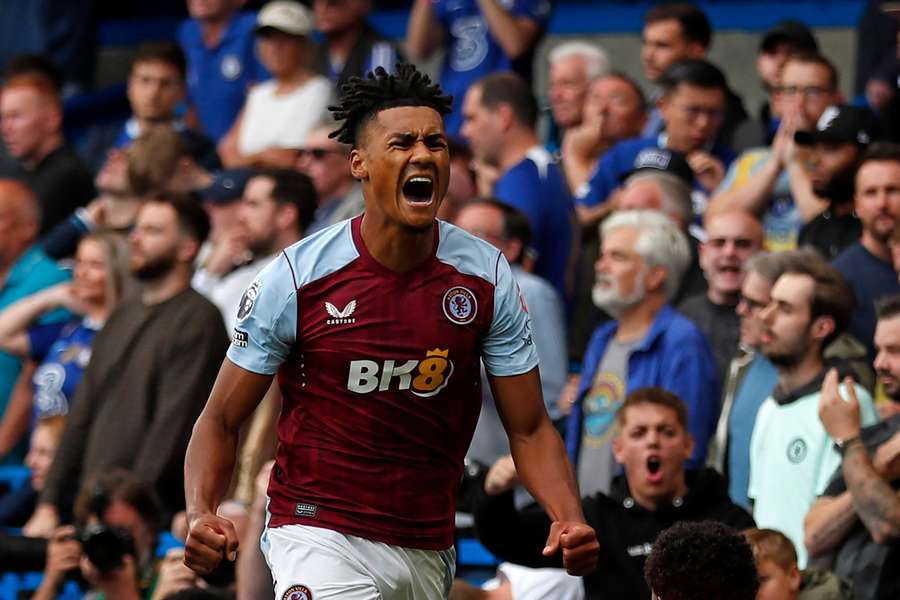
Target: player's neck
(394,246)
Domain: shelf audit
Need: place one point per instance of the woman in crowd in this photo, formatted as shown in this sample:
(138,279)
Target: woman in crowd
(279,114)
(62,350)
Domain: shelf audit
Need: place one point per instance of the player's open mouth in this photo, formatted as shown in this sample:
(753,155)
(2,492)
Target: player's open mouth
(418,189)
(654,469)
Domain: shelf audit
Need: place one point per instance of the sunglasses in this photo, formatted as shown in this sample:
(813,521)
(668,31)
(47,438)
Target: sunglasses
(316,153)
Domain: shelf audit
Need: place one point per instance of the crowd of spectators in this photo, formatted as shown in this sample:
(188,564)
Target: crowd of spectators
(714,293)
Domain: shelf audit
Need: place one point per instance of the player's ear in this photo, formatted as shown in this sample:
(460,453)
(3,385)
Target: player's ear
(358,167)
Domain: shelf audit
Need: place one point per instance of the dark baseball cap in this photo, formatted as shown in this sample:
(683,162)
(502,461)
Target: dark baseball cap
(840,124)
(227,186)
(794,33)
(662,160)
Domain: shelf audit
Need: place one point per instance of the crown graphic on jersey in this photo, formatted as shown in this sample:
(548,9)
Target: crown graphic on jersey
(438,352)
(340,314)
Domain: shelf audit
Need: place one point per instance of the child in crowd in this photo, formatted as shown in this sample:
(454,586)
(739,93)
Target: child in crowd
(781,579)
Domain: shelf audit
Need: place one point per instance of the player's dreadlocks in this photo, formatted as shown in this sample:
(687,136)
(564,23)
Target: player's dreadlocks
(363,98)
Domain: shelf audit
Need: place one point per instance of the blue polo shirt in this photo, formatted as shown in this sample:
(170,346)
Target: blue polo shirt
(218,78)
(536,187)
(619,161)
(33,272)
(472,51)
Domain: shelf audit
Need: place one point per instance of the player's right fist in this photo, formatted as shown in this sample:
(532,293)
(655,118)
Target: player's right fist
(210,538)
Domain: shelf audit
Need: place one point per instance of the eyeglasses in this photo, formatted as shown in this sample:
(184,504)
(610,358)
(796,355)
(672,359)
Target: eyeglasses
(751,304)
(695,112)
(810,91)
(316,153)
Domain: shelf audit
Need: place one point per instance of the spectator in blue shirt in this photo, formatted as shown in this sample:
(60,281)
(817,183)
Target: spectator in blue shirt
(24,270)
(692,107)
(643,259)
(867,264)
(479,37)
(499,118)
(220,48)
(156,86)
(349,45)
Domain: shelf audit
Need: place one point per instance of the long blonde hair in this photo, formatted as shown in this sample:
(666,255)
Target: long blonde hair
(119,281)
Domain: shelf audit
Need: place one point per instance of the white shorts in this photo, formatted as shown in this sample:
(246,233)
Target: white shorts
(312,563)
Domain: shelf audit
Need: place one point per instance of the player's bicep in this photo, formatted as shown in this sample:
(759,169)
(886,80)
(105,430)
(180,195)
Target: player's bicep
(266,324)
(235,395)
(508,348)
(519,401)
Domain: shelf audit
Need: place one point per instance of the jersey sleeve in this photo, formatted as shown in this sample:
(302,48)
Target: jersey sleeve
(41,338)
(509,348)
(266,324)
(602,181)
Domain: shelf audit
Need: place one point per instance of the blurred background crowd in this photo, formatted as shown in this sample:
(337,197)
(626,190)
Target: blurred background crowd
(701,204)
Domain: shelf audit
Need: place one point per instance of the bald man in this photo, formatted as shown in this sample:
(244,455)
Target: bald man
(24,270)
(31,125)
(731,239)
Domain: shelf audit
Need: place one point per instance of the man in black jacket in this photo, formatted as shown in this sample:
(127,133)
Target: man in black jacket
(656,491)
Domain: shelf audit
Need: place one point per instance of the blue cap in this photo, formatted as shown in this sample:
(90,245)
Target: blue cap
(227,186)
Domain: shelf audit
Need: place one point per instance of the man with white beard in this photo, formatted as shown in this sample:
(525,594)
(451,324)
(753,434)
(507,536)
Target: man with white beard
(643,257)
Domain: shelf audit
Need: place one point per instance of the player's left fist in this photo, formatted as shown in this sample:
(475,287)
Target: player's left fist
(578,542)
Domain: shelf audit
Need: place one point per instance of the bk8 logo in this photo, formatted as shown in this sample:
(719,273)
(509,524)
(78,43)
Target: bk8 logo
(423,378)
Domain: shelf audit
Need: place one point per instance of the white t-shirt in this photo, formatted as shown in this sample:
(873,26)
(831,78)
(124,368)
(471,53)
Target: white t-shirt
(792,459)
(537,584)
(283,121)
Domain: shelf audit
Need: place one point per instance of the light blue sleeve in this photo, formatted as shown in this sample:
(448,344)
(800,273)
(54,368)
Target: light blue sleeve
(266,324)
(509,348)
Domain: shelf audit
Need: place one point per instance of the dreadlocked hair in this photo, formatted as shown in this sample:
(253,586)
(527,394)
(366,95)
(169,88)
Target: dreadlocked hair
(362,98)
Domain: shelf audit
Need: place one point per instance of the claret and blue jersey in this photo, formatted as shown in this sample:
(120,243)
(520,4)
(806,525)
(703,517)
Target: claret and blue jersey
(380,373)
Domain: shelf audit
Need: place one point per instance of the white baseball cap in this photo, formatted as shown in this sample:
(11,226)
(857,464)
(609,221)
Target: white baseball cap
(286,16)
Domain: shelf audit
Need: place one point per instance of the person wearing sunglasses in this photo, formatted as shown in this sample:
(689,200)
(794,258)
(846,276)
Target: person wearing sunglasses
(326,162)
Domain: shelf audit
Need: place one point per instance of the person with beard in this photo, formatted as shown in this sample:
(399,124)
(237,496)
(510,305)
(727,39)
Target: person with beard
(837,144)
(749,381)
(652,444)
(856,520)
(811,306)
(275,210)
(732,238)
(151,367)
(867,264)
(642,260)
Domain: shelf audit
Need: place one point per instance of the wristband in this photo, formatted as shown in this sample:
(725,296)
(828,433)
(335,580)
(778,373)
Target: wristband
(843,444)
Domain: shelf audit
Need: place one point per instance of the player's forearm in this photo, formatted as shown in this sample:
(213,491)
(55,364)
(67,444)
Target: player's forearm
(208,464)
(827,524)
(421,30)
(515,35)
(544,469)
(876,503)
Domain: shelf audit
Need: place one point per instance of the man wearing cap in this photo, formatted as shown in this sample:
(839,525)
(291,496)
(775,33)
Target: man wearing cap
(272,214)
(777,45)
(774,182)
(279,114)
(867,264)
(643,257)
(222,64)
(836,145)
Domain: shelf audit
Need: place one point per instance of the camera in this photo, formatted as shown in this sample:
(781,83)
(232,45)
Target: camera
(106,546)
